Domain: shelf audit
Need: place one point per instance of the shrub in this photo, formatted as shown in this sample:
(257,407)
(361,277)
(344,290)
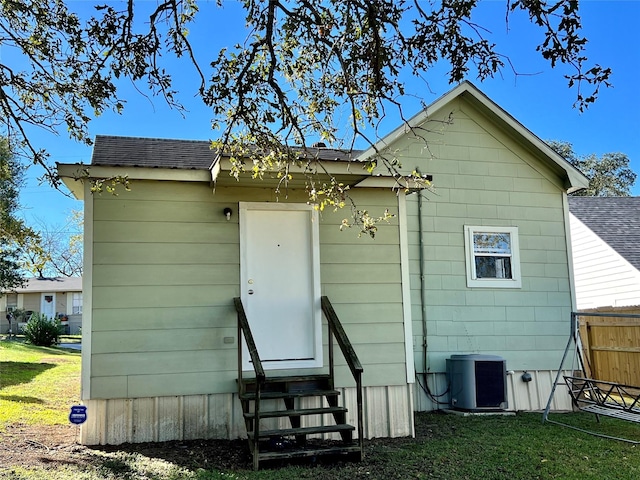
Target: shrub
(42,331)
(20,315)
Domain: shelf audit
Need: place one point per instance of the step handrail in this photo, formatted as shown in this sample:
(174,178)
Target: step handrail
(245,330)
(341,337)
(335,329)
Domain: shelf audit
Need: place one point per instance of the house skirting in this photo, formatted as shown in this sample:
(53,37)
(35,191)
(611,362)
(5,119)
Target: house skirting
(521,396)
(388,412)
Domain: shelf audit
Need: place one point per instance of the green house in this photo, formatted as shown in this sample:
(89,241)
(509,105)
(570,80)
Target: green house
(478,265)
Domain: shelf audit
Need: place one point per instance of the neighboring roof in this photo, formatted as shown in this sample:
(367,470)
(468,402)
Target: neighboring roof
(574,179)
(57,284)
(616,220)
(115,151)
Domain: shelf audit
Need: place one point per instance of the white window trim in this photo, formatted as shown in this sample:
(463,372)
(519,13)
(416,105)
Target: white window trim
(472,281)
(75,295)
(13,304)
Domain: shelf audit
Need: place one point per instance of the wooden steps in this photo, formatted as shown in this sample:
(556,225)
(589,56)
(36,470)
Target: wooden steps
(340,450)
(287,432)
(298,412)
(291,442)
(290,394)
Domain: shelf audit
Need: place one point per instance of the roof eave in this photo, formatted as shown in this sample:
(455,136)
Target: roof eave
(74,175)
(339,168)
(574,180)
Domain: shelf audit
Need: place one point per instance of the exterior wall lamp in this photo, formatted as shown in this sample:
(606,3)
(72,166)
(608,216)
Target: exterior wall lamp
(227,213)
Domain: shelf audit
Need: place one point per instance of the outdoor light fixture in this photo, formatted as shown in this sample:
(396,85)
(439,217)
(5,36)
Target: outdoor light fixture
(227,213)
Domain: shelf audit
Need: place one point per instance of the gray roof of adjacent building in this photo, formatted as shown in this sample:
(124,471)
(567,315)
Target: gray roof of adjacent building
(50,284)
(616,220)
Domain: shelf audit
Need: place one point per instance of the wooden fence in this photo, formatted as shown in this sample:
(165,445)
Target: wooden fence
(611,345)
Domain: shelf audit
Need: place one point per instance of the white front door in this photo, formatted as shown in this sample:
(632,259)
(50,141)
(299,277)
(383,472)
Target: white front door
(280,283)
(48,304)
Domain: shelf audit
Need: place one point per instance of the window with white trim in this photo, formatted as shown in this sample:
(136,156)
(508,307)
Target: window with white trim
(77,304)
(12,301)
(493,257)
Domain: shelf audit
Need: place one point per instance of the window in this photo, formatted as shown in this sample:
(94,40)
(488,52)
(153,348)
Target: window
(12,302)
(493,258)
(77,304)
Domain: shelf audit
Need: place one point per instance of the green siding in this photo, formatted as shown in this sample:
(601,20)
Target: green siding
(166,267)
(483,177)
(165,254)
(151,318)
(165,340)
(174,275)
(163,296)
(169,362)
(109,387)
(183,383)
(165,232)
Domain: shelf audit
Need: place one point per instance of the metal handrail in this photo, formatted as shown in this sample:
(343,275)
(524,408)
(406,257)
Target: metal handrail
(335,329)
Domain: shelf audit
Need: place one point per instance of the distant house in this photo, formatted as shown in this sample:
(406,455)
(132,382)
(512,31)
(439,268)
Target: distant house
(479,266)
(605,234)
(59,297)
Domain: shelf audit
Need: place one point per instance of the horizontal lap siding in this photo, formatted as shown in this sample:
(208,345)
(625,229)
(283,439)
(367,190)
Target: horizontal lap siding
(166,266)
(163,296)
(482,177)
(153,318)
(361,277)
(164,341)
(603,277)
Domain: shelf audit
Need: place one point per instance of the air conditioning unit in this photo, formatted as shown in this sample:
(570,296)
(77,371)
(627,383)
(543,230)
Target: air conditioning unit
(477,382)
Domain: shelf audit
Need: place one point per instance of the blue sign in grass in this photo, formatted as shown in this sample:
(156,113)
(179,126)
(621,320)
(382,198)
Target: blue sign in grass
(78,414)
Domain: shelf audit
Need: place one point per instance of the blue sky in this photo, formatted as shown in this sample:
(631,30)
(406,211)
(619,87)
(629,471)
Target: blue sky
(539,97)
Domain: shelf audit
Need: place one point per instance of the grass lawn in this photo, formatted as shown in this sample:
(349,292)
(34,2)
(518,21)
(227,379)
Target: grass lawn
(70,338)
(446,446)
(38,385)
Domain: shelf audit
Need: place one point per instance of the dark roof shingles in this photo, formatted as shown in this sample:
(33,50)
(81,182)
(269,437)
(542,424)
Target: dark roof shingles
(152,153)
(181,154)
(616,220)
